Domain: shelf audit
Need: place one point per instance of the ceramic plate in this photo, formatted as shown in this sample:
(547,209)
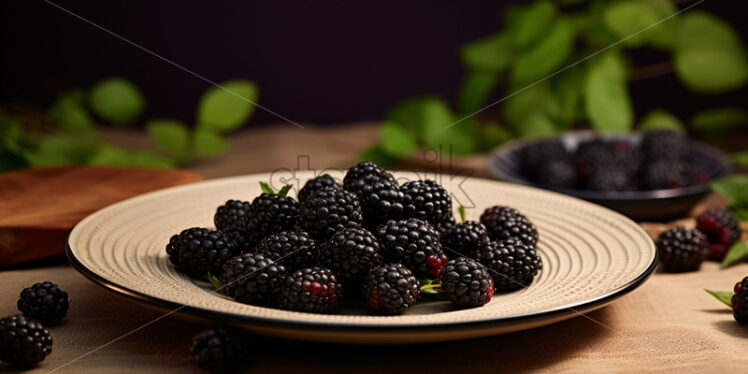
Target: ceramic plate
(591,256)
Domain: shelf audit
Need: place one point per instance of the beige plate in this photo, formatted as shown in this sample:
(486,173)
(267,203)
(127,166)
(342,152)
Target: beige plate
(591,256)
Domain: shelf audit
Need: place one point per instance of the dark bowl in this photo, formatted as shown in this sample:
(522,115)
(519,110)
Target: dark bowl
(505,163)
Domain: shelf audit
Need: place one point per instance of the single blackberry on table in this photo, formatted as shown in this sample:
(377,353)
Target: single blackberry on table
(465,238)
(350,253)
(722,230)
(426,200)
(557,174)
(740,301)
(197,251)
(466,282)
(295,249)
(313,185)
(681,249)
(414,243)
(220,350)
(272,213)
(232,215)
(24,342)
(314,290)
(44,302)
(506,223)
(539,153)
(664,144)
(665,174)
(329,210)
(391,289)
(512,264)
(251,278)
(377,192)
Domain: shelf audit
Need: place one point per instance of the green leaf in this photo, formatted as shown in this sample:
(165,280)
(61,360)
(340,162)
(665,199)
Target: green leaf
(111,155)
(627,18)
(430,286)
(461,210)
(529,102)
(535,21)
(475,90)
(492,135)
(378,156)
(59,150)
(227,108)
(606,96)
(11,161)
(116,100)
(725,297)
(493,53)
(546,55)
(72,116)
(266,188)
(740,211)
(661,120)
(537,125)
(664,34)
(738,252)
(740,158)
(567,89)
(719,121)
(396,140)
(734,188)
(10,135)
(171,135)
(284,190)
(709,55)
(208,143)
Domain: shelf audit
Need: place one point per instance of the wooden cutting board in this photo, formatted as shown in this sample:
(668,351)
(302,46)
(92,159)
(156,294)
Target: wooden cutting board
(39,206)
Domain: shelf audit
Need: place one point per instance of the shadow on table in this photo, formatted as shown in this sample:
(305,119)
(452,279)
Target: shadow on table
(525,350)
(730,326)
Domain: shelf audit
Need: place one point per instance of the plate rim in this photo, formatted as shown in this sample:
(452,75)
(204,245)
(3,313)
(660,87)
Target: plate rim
(242,319)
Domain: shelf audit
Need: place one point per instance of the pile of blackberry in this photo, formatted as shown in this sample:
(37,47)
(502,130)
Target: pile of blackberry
(661,160)
(369,238)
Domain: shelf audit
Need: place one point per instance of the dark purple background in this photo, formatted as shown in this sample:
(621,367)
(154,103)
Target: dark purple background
(315,61)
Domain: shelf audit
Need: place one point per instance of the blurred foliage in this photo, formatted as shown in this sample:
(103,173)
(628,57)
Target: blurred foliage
(67,134)
(561,64)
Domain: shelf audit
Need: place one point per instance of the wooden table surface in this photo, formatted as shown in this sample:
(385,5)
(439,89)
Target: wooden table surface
(667,325)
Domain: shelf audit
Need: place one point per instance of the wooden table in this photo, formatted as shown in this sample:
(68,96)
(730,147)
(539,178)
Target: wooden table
(667,325)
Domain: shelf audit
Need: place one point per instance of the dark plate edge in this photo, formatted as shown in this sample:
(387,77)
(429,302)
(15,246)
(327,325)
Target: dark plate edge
(172,307)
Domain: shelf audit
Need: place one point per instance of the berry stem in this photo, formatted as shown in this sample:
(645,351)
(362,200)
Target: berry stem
(724,296)
(431,286)
(461,210)
(284,190)
(214,281)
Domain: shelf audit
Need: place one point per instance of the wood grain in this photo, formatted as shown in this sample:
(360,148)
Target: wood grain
(38,207)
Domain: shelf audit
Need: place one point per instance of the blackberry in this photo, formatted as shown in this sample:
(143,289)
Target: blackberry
(314,290)
(445,226)
(377,192)
(251,278)
(313,185)
(591,156)
(232,215)
(197,250)
(664,144)
(465,238)
(681,249)
(272,213)
(722,230)
(512,264)
(539,153)
(295,249)
(24,342)
(351,253)
(44,302)
(329,210)
(466,282)
(391,289)
(426,200)
(506,223)
(414,243)
(219,350)
(244,239)
(740,301)
(557,174)
(665,174)
(610,179)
